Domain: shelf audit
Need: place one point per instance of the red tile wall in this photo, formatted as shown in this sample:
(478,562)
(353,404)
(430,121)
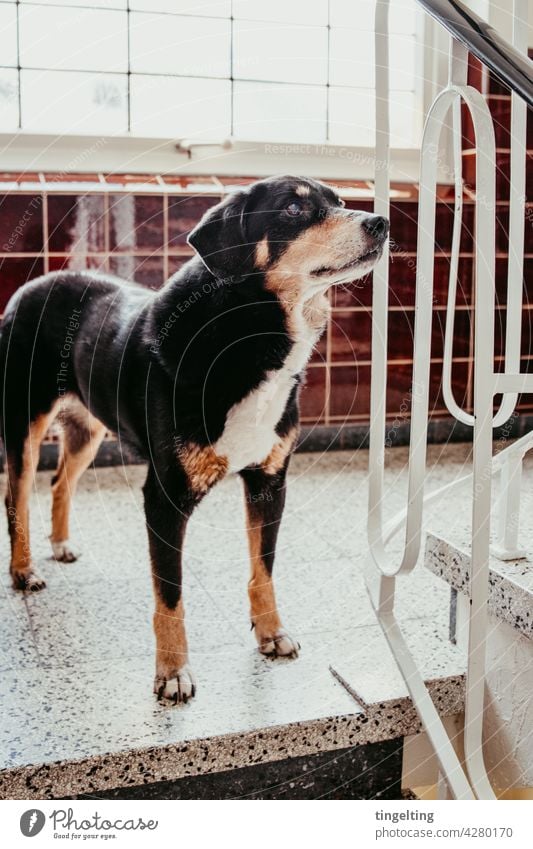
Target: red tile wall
(136,227)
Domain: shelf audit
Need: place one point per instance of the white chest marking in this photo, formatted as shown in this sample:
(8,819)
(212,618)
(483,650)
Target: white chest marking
(250,430)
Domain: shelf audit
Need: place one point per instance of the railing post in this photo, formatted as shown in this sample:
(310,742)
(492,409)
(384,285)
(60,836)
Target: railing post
(486,385)
(383,588)
(505,547)
(484,390)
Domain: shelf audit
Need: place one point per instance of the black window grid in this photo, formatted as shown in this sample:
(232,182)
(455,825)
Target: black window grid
(128,72)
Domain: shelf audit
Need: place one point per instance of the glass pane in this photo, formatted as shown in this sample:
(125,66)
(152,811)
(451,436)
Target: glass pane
(279,112)
(352,59)
(295,11)
(360,14)
(8,34)
(77,39)
(402,62)
(406,119)
(351,116)
(9,105)
(166,44)
(178,108)
(63,102)
(280,53)
(208,8)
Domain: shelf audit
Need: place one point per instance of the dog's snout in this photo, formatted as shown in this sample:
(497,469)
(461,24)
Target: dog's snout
(376,226)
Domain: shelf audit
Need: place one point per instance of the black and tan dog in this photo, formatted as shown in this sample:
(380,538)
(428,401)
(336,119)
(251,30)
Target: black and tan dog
(201,378)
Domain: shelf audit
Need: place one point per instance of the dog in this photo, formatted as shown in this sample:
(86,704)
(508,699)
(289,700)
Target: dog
(201,378)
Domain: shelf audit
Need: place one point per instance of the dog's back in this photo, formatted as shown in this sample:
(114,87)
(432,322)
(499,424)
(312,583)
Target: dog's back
(50,328)
(49,354)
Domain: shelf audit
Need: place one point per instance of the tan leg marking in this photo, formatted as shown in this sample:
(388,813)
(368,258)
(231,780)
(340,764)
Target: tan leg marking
(263,608)
(18,498)
(174,679)
(269,632)
(82,436)
(203,466)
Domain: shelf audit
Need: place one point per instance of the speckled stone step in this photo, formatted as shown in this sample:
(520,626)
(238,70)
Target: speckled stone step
(510,583)
(371,771)
(77,712)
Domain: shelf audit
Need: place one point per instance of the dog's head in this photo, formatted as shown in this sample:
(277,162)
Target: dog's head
(293,230)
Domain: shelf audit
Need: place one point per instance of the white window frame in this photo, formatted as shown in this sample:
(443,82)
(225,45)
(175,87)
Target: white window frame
(28,151)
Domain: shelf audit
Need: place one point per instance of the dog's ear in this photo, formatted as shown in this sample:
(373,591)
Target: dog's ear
(220,237)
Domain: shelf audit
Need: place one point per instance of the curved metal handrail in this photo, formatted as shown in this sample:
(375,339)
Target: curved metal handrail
(516,450)
(517,202)
(475,782)
(510,65)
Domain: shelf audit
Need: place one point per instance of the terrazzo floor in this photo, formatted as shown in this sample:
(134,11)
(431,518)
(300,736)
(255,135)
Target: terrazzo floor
(511,581)
(77,659)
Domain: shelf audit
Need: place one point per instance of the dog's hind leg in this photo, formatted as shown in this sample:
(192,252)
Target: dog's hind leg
(81,438)
(22,457)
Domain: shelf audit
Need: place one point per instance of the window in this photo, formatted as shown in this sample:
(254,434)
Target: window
(298,72)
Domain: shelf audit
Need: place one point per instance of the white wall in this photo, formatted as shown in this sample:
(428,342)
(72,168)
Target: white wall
(508,716)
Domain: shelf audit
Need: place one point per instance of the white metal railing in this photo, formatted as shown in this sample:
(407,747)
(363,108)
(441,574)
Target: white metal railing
(472,781)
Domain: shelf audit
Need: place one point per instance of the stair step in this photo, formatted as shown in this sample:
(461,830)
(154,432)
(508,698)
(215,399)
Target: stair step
(371,771)
(510,583)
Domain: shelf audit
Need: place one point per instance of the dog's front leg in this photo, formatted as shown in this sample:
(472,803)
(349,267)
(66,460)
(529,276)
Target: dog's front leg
(167,512)
(264,492)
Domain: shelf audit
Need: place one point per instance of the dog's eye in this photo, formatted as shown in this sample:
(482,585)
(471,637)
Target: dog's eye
(294,208)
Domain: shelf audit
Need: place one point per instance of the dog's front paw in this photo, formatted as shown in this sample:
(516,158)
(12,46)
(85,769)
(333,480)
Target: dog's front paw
(278,644)
(27,579)
(178,686)
(63,552)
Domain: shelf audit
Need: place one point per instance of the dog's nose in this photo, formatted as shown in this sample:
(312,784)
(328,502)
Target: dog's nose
(376,226)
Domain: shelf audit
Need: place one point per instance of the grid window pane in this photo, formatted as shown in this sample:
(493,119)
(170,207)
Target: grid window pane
(402,62)
(8,34)
(73,39)
(9,104)
(313,12)
(208,8)
(98,4)
(278,53)
(58,101)
(168,44)
(352,59)
(405,119)
(299,71)
(360,14)
(174,107)
(351,116)
(274,112)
